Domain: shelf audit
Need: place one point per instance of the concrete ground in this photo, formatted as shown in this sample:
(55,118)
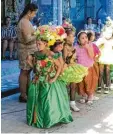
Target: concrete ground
(94,119)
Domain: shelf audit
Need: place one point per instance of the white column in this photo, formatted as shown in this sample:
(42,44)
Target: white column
(55,12)
(59,12)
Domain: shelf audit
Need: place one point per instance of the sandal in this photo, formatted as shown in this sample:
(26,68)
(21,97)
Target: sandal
(99,90)
(106,90)
(82,101)
(89,102)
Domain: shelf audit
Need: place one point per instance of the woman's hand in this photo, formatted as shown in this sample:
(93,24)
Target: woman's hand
(29,60)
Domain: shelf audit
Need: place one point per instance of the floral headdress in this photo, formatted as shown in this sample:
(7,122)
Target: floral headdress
(50,34)
(68,25)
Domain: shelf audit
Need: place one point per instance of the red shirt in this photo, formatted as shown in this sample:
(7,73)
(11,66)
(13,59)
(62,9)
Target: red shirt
(96,50)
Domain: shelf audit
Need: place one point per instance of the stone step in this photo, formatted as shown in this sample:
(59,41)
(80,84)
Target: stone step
(9,92)
(9,75)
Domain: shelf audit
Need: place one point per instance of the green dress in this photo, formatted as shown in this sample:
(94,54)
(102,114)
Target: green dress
(48,104)
(73,72)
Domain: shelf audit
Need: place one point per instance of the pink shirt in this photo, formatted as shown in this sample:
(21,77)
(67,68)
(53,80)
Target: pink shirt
(83,57)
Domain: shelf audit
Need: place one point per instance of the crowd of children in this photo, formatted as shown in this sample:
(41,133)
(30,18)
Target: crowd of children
(61,68)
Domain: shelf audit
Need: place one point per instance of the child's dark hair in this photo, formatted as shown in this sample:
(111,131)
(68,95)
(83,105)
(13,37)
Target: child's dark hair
(98,24)
(63,18)
(44,40)
(41,39)
(29,7)
(69,31)
(58,42)
(88,18)
(6,19)
(79,34)
(90,34)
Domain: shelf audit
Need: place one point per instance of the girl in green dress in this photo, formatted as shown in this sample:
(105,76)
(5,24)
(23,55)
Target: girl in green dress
(48,102)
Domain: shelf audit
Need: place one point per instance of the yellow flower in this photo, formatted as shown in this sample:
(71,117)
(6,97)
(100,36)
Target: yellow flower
(51,40)
(47,59)
(58,37)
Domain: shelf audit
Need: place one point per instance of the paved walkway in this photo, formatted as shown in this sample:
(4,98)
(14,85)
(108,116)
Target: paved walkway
(94,119)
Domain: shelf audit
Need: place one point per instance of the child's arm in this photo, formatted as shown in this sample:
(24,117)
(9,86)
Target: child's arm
(65,53)
(90,50)
(58,70)
(97,57)
(100,42)
(30,60)
(63,64)
(61,61)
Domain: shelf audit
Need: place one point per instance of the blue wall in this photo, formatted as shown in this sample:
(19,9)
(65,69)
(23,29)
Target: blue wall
(47,11)
(76,14)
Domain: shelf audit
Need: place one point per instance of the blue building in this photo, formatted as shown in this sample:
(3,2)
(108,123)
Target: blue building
(53,10)
(76,10)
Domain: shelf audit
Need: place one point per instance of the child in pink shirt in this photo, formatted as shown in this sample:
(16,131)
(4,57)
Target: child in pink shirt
(85,57)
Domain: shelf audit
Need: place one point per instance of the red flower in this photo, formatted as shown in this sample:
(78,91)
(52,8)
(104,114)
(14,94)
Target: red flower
(43,63)
(42,31)
(60,30)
